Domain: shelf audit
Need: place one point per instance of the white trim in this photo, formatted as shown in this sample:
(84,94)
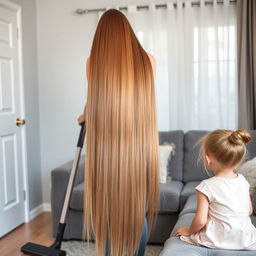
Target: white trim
(35,212)
(23,116)
(45,207)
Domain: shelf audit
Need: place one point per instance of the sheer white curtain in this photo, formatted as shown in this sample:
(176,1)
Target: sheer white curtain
(195,51)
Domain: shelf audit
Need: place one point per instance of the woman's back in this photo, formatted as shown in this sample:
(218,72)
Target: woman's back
(122,166)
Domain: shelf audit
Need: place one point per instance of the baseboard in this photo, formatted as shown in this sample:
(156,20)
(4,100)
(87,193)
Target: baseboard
(45,207)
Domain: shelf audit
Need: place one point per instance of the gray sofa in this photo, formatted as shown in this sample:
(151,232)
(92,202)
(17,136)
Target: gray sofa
(177,203)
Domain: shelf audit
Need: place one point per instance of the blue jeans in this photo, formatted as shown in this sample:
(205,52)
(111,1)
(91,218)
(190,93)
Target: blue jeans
(143,241)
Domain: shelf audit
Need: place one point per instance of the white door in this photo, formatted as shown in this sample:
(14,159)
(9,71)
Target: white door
(11,154)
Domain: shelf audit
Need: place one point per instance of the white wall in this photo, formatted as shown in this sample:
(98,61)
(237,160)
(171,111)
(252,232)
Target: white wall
(64,41)
(31,100)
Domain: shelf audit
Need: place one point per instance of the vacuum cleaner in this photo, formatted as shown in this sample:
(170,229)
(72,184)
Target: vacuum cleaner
(55,248)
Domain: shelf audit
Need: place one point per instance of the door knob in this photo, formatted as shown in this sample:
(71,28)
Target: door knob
(20,122)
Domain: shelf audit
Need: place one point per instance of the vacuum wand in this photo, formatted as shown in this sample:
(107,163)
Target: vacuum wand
(54,249)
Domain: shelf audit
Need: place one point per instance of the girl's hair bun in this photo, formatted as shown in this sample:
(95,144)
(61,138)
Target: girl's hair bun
(240,137)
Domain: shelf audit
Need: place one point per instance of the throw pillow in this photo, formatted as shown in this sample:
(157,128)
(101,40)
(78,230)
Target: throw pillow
(166,151)
(248,170)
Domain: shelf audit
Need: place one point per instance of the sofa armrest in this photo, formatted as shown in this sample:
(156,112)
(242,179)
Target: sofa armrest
(59,183)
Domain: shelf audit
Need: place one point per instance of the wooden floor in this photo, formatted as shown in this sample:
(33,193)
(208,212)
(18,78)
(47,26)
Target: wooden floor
(37,230)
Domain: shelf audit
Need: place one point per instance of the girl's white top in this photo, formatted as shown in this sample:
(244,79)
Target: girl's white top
(229,225)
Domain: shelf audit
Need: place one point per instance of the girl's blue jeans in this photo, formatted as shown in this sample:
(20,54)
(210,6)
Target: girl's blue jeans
(143,241)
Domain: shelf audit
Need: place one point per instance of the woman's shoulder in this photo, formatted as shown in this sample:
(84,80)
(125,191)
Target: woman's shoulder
(153,63)
(151,57)
(88,61)
(87,66)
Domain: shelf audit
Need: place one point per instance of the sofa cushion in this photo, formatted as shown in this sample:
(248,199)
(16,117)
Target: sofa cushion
(175,167)
(169,202)
(77,197)
(184,220)
(176,247)
(188,190)
(253,219)
(190,205)
(193,171)
(170,196)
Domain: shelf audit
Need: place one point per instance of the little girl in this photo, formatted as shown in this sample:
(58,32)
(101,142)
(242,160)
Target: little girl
(223,201)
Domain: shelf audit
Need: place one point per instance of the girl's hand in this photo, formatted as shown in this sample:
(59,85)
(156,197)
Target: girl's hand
(182,231)
(80,119)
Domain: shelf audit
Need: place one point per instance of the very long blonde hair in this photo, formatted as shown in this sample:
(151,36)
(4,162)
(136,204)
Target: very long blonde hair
(121,165)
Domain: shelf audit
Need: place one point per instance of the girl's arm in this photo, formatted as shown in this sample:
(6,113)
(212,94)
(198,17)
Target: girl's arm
(250,205)
(199,220)
(81,118)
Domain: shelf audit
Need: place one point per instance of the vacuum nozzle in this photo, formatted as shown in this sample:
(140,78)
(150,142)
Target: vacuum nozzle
(40,250)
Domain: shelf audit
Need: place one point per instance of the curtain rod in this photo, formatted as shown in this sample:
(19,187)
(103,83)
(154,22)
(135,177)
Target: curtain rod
(157,6)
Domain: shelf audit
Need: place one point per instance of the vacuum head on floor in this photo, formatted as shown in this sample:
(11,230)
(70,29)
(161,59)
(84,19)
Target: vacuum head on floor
(40,250)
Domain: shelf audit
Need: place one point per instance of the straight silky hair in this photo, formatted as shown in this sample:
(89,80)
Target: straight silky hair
(122,162)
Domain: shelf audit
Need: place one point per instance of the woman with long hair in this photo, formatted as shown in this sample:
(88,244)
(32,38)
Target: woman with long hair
(121,163)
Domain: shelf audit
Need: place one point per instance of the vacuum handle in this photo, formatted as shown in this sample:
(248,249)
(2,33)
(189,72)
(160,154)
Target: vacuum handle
(73,174)
(62,223)
(80,141)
